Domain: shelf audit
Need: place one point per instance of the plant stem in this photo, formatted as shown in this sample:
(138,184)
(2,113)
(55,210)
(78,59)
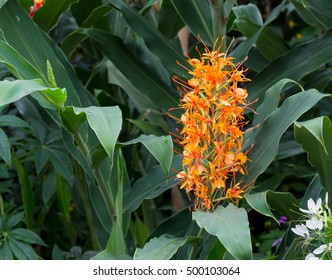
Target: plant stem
(106,193)
(86,202)
(219,21)
(196,247)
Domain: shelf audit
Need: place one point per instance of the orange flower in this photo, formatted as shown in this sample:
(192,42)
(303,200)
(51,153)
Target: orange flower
(212,124)
(36,6)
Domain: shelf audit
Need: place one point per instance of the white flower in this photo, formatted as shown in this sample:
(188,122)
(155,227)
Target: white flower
(301,230)
(314,224)
(320,249)
(313,208)
(311,257)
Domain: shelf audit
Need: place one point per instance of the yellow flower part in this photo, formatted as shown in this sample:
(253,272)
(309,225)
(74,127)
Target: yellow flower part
(213,104)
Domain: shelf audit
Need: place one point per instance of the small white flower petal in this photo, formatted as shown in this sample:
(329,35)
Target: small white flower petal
(301,230)
(330,244)
(314,224)
(320,249)
(311,257)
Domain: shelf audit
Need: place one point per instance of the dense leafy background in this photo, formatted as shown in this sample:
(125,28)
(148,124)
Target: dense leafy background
(87,168)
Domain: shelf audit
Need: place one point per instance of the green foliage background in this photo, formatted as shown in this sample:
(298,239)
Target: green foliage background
(87,167)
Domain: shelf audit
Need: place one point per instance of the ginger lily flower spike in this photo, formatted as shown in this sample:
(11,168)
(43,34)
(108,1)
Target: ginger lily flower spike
(212,135)
(36,6)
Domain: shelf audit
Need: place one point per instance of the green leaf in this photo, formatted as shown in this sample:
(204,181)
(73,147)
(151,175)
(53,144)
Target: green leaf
(61,163)
(107,255)
(26,236)
(139,231)
(116,244)
(2,2)
(285,204)
(197,16)
(63,196)
(6,252)
(159,146)
(315,137)
(13,121)
(151,185)
(162,248)
(48,16)
(5,153)
(21,250)
(315,190)
(231,226)
(12,91)
(15,220)
(294,64)
(32,48)
(155,41)
(266,141)
(106,122)
(133,69)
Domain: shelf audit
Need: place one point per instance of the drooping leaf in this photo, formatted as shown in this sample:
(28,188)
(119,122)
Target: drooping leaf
(162,248)
(106,122)
(266,141)
(231,226)
(198,17)
(159,146)
(285,204)
(294,64)
(315,137)
(26,236)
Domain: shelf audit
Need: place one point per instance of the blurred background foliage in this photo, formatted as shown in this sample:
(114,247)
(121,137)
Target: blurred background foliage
(77,180)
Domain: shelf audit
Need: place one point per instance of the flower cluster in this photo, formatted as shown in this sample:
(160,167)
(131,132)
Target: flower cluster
(36,6)
(212,136)
(316,230)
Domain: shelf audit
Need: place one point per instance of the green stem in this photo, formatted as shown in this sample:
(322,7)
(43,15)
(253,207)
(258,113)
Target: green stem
(86,202)
(196,247)
(106,193)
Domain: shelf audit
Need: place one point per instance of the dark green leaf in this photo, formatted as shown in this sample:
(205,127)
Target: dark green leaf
(5,148)
(162,248)
(231,226)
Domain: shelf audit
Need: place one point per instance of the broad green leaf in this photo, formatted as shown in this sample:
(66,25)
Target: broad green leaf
(155,41)
(26,236)
(266,141)
(176,225)
(159,146)
(48,16)
(231,226)
(2,2)
(249,22)
(294,64)
(5,153)
(133,69)
(141,101)
(285,204)
(11,91)
(161,248)
(322,9)
(315,137)
(151,185)
(35,47)
(116,244)
(106,122)
(198,17)
(169,21)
